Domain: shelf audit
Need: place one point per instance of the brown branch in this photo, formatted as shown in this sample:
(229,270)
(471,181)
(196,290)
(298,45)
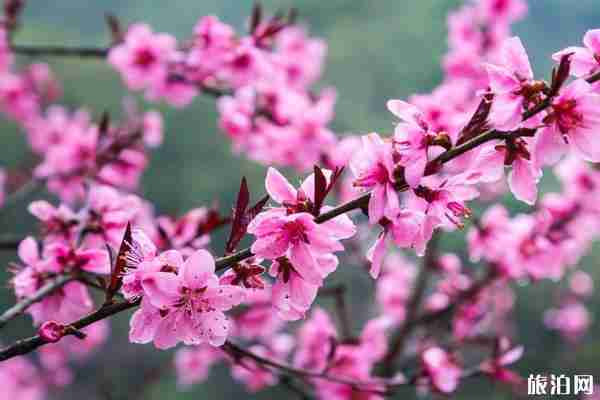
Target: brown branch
(9,242)
(61,51)
(44,291)
(24,346)
(238,352)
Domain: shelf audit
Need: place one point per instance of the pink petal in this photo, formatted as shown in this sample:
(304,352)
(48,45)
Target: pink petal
(490,164)
(511,356)
(404,111)
(143,323)
(28,251)
(591,39)
(304,262)
(279,188)
(198,269)
(166,335)
(340,227)
(586,143)
(41,209)
(216,327)
(98,261)
(523,179)
(162,288)
(516,58)
(549,147)
(223,297)
(501,80)
(414,171)
(506,110)
(377,204)
(376,254)
(270,247)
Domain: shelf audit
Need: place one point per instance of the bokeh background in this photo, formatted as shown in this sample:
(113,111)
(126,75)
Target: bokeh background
(378,49)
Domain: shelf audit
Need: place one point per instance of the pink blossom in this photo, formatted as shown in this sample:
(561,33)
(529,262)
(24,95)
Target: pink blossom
(55,127)
(395,286)
(585,61)
(60,257)
(525,173)
(573,119)
(315,339)
(412,140)
(185,232)
(21,380)
(504,355)
(373,168)
(58,223)
(299,56)
(511,82)
(291,232)
(443,202)
(152,125)
(581,284)
(571,320)
(142,58)
(488,239)
(191,303)
(440,369)
(64,305)
(108,213)
(255,376)
(193,363)
(258,319)
(502,10)
(64,163)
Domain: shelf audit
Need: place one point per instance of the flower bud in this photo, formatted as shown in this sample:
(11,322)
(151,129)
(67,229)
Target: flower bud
(51,331)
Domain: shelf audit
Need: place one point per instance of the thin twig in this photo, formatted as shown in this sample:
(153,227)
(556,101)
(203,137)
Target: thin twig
(30,344)
(61,51)
(236,352)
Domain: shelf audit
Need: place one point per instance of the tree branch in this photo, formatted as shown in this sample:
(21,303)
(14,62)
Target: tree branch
(61,51)
(30,344)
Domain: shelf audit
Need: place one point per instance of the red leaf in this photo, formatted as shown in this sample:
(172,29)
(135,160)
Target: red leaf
(114,26)
(257,208)
(116,276)
(560,75)
(256,17)
(238,228)
(478,122)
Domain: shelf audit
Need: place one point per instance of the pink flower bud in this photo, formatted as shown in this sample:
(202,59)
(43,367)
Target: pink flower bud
(51,331)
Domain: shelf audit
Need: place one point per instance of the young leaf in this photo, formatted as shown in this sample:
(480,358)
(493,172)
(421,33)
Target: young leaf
(256,17)
(238,229)
(478,122)
(256,209)
(116,276)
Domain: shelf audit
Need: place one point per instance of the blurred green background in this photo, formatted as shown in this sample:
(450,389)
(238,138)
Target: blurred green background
(378,49)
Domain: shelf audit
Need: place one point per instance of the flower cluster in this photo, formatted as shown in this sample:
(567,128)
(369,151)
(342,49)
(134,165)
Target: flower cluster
(263,79)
